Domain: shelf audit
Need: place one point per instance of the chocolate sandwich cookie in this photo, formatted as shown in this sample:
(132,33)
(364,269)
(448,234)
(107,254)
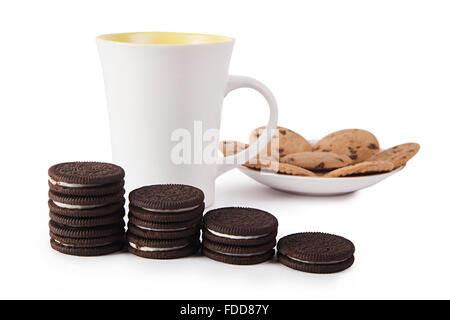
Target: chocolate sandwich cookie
(248,241)
(167,216)
(174,198)
(316,252)
(240,226)
(158,230)
(88,242)
(86,233)
(241,255)
(87,213)
(86,251)
(162,249)
(162,234)
(113,218)
(88,202)
(87,191)
(85,178)
(238,260)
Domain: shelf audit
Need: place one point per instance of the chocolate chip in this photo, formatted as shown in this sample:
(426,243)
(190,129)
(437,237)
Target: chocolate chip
(372,146)
(283,132)
(320,166)
(353,156)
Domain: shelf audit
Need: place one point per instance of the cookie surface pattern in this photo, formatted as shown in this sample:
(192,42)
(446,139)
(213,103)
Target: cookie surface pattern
(240,221)
(357,144)
(398,155)
(284,141)
(317,160)
(366,167)
(167,197)
(316,247)
(89,173)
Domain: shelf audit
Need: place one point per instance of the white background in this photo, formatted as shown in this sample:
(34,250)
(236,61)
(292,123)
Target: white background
(379,65)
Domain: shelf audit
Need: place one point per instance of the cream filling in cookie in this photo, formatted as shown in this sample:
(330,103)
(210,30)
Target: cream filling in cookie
(242,254)
(151,249)
(162,230)
(76,206)
(231,236)
(309,262)
(171,210)
(71,185)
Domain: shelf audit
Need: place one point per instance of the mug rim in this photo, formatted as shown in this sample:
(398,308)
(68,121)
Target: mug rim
(164,38)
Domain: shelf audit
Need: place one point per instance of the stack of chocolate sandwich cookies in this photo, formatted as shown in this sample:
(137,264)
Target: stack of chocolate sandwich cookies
(240,236)
(86,208)
(165,221)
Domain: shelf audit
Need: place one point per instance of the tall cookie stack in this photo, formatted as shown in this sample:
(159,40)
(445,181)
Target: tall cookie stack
(86,208)
(241,236)
(164,221)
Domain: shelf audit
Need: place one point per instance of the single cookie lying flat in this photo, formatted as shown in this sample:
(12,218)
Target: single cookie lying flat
(317,160)
(316,252)
(398,155)
(357,144)
(366,167)
(283,142)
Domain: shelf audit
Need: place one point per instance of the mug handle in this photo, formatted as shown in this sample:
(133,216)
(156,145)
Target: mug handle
(233,161)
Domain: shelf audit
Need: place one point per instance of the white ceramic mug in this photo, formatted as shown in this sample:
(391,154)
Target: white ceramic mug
(160,82)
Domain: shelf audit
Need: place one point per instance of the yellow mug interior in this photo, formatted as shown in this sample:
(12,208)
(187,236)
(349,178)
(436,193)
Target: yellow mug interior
(163,38)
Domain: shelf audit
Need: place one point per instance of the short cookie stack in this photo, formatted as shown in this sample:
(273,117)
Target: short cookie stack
(165,221)
(86,208)
(240,236)
(316,252)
